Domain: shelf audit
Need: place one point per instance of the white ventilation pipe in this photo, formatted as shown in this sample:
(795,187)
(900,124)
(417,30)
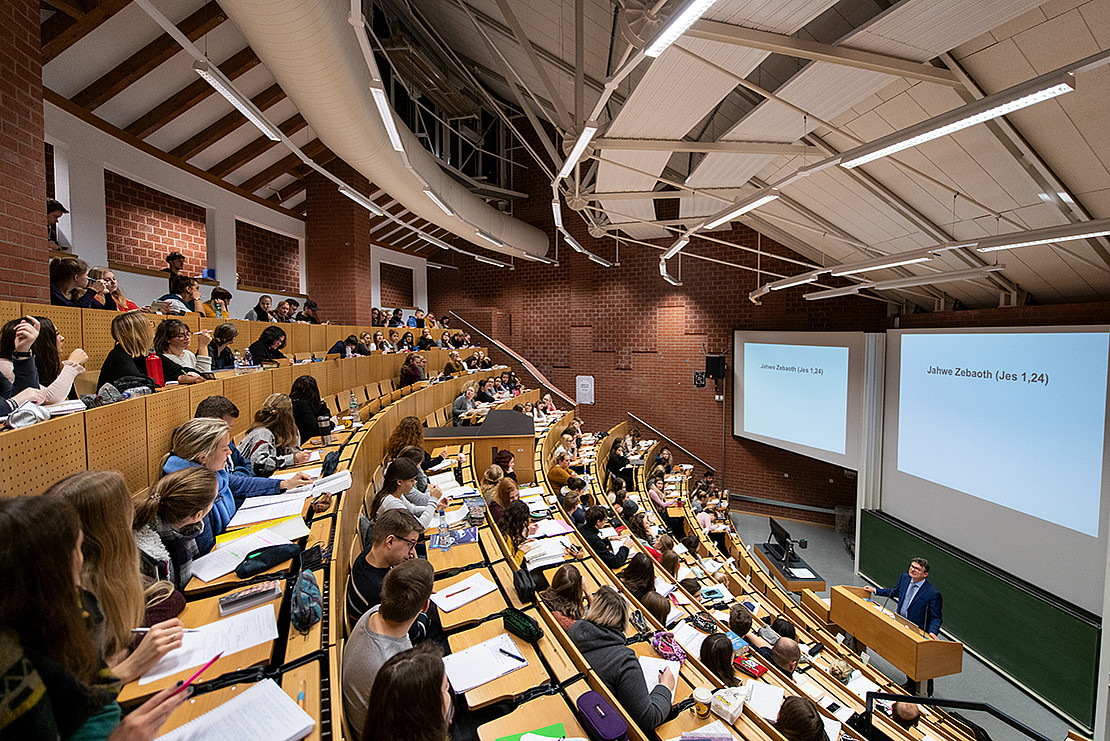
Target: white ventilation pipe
(312,51)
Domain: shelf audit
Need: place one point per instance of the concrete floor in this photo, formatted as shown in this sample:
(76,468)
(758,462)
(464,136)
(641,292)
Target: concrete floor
(829,556)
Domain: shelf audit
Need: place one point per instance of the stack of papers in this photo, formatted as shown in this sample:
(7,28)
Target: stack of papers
(547,552)
(460,593)
(690,638)
(802,573)
(312,473)
(230,635)
(333,484)
(664,587)
(549,528)
(227,556)
(765,699)
(262,711)
(861,685)
(652,666)
(484,662)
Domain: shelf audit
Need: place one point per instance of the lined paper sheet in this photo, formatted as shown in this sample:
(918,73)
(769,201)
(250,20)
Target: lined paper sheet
(230,635)
(464,592)
(765,699)
(690,638)
(262,712)
(651,666)
(227,556)
(312,473)
(472,667)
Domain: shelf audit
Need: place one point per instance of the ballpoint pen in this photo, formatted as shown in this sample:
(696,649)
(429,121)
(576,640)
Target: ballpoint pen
(300,695)
(147,630)
(452,594)
(521,659)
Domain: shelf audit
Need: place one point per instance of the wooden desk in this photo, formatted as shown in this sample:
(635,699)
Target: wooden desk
(893,637)
(456,558)
(539,713)
(471,612)
(308,677)
(790,583)
(198,706)
(513,683)
(819,609)
(196,614)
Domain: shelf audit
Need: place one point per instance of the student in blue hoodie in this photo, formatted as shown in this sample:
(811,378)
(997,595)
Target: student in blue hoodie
(207,442)
(221,407)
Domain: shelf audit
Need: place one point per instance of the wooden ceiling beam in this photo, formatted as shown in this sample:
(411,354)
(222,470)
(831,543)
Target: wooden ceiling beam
(283,195)
(72,8)
(211,134)
(60,32)
(161,50)
(259,146)
(283,166)
(189,96)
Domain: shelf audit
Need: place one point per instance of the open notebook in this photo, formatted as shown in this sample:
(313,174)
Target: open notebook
(262,712)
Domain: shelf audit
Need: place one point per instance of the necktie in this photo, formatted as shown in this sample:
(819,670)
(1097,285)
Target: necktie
(910,594)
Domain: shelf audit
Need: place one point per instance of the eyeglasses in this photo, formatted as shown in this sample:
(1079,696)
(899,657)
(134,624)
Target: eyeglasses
(412,543)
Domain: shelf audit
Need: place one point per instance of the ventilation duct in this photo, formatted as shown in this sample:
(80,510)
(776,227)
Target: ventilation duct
(312,51)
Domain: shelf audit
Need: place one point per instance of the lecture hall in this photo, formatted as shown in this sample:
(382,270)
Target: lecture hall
(492,370)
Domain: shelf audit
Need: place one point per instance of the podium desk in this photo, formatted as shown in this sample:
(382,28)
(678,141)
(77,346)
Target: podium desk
(502,428)
(893,637)
(790,582)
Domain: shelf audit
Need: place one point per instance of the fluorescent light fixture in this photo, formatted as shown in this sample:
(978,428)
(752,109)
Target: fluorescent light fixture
(537,258)
(1006,101)
(490,238)
(674,248)
(667,276)
(578,148)
(892,261)
(557,212)
(361,200)
(748,205)
(758,293)
(599,260)
(439,201)
(834,292)
(216,79)
(382,102)
(574,244)
(679,23)
(437,242)
(928,280)
(799,280)
(491,261)
(1064,233)
(439,266)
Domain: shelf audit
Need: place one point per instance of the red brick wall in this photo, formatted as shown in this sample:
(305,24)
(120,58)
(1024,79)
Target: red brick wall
(266,259)
(145,225)
(23,260)
(337,248)
(396,285)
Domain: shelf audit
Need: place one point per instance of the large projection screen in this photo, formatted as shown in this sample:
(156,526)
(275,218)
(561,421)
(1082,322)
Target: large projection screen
(994,442)
(800,391)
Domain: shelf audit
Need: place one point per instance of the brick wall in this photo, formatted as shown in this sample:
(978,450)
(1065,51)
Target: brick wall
(337,248)
(145,225)
(50,188)
(24,272)
(266,259)
(396,285)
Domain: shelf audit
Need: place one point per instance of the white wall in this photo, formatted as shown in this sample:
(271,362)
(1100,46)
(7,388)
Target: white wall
(418,266)
(82,153)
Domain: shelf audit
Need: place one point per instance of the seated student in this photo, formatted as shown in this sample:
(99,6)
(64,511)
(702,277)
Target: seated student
(665,459)
(310,314)
(311,414)
(410,432)
(283,313)
(637,525)
(383,632)
(491,477)
(393,344)
(411,697)
(111,288)
(799,720)
(483,395)
(168,520)
(572,493)
(464,403)
(411,372)
(219,349)
(396,533)
(566,597)
(426,341)
(376,342)
(397,319)
(618,465)
(717,655)
(638,576)
(171,342)
(24,385)
(55,375)
(110,570)
(70,274)
(267,348)
(220,407)
(566,445)
(517,527)
(671,562)
(599,635)
(184,296)
(366,343)
(504,495)
(505,458)
(376,317)
(407,343)
(444,340)
(206,442)
(400,477)
(134,337)
(217,306)
(57,684)
(602,548)
(458,341)
(658,606)
(784,654)
(416,320)
(423,491)
(344,348)
(783,628)
(559,473)
(272,442)
(261,310)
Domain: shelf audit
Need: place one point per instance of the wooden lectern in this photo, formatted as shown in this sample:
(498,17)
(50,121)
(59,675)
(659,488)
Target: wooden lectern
(893,637)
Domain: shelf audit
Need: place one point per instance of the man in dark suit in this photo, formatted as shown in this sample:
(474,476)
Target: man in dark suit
(918,601)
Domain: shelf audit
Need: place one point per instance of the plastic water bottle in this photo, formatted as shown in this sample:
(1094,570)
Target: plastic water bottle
(136,392)
(354,408)
(444,533)
(238,359)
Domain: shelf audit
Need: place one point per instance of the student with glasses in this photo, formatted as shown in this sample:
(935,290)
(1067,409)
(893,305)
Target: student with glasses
(396,535)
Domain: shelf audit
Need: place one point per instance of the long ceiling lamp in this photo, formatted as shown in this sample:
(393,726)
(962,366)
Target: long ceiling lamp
(879,263)
(1063,233)
(212,75)
(381,101)
(748,204)
(361,200)
(1019,96)
(667,276)
(916,280)
(579,147)
(678,25)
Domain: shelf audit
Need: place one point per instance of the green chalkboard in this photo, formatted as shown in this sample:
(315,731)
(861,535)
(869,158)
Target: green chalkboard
(1049,645)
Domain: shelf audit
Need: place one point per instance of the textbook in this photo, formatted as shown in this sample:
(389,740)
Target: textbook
(262,712)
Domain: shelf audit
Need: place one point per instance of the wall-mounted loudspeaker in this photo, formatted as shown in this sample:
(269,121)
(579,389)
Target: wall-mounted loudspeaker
(715,366)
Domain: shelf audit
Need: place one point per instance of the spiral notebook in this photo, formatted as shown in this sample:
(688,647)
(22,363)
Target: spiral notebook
(262,712)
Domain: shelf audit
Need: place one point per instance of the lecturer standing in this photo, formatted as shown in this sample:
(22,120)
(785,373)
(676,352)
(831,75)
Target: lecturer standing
(919,602)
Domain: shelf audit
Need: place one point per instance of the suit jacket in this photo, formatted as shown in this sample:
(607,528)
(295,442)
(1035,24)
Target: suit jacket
(924,611)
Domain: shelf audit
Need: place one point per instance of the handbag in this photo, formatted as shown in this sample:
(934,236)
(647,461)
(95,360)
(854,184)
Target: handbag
(522,626)
(667,647)
(599,719)
(524,585)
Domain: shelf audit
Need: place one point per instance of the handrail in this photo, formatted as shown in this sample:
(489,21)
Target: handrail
(955,704)
(671,440)
(518,358)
